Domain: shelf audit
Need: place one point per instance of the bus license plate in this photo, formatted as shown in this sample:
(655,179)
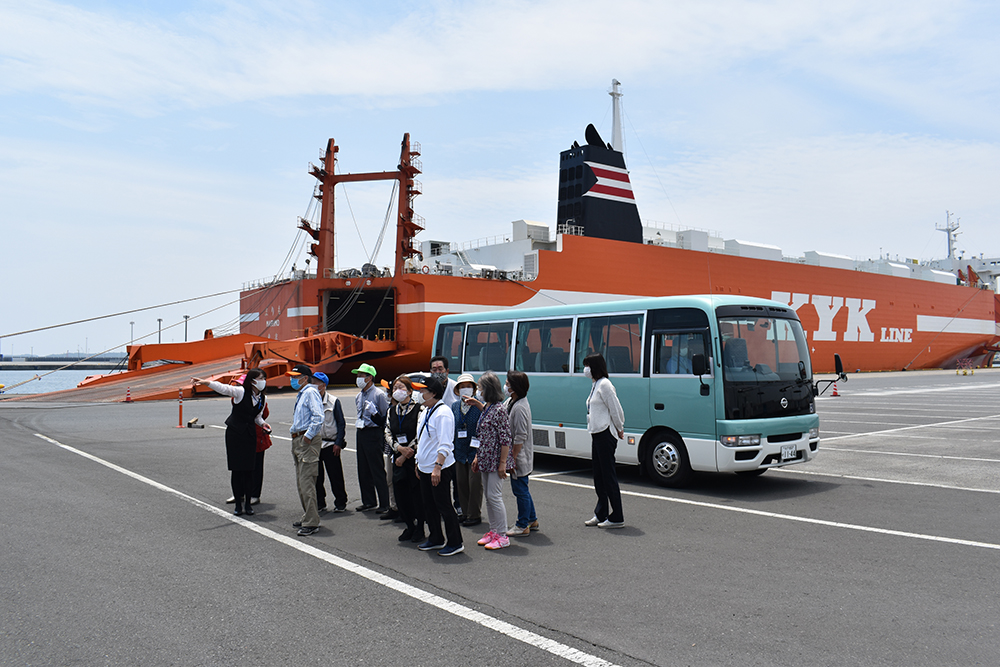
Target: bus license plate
(788,452)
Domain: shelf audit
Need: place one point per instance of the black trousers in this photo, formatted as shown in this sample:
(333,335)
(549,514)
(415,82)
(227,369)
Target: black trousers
(258,476)
(371,468)
(437,506)
(609,495)
(335,471)
(408,500)
(242,481)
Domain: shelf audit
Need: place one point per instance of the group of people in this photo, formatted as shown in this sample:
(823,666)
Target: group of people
(428,453)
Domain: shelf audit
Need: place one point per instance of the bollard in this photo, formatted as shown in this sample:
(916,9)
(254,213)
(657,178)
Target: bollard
(180,408)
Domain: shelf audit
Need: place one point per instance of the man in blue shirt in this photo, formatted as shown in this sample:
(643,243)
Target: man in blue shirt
(372,405)
(307,420)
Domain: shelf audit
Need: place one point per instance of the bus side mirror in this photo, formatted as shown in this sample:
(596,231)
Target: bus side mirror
(699,368)
(698,365)
(839,367)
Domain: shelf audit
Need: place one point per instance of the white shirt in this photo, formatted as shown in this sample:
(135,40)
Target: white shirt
(437,438)
(449,393)
(603,408)
(236,392)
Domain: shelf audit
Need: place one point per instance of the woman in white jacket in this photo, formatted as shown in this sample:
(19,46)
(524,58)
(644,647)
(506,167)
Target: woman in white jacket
(606,424)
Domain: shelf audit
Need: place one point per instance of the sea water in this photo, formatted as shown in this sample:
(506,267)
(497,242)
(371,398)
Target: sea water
(49,381)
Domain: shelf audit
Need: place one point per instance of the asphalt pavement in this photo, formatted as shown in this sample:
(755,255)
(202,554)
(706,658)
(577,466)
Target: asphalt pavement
(118,549)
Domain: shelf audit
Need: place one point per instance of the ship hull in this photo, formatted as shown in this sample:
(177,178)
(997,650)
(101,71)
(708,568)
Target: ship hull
(875,322)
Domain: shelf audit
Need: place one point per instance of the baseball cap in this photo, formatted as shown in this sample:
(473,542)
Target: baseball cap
(365,368)
(300,369)
(431,384)
(322,377)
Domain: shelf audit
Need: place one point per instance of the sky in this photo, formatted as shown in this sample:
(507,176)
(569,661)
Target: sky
(152,152)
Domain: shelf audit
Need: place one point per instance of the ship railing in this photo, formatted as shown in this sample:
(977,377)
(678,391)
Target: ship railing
(572,230)
(386,334)
(656,224)
(278,279)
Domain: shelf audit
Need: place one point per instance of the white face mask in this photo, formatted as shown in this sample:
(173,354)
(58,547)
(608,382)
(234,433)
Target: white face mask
(479,396)
(259,384)
(418,397)
(465,391)
(506,390)
(362,383)
(400,395)
(587,373)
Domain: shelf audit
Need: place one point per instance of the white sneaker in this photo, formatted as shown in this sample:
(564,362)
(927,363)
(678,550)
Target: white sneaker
(608,523)
(592,521)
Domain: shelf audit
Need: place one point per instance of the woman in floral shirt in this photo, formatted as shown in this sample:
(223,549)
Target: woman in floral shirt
(494,457)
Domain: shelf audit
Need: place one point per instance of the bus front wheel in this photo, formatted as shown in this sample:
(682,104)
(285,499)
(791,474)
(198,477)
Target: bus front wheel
(667,462)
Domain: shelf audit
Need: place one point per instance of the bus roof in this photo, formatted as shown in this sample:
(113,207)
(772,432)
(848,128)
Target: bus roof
(706,302)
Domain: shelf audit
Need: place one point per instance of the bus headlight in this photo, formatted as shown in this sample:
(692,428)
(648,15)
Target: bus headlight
(814,433)
(740,440)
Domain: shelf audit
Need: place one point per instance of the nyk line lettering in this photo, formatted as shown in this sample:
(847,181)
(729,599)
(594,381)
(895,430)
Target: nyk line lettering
(827,307)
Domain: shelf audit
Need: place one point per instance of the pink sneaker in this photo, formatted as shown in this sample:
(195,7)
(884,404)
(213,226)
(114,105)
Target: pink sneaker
(500,542)
(487,538)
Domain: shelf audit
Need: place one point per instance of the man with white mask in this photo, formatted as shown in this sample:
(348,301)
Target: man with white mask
(307,420)
(372,405)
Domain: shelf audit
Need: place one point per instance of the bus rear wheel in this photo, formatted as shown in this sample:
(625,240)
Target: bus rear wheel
(667,462)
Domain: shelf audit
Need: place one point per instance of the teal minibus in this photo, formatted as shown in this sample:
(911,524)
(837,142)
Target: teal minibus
(708,383)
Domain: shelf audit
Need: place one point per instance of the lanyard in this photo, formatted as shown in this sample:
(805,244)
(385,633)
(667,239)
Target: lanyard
(427,419)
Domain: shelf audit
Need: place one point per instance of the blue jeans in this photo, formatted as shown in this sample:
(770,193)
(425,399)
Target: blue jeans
(525,505)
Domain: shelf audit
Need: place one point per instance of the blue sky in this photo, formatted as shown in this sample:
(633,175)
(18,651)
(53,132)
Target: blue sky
(151,152)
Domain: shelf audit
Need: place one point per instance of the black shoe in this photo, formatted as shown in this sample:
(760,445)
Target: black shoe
(337,509)
(382,510)
(468,523)
(364,508)
(238,510)
(248,510)
(399,519)
(418,535)
(389,514)
(407,534)
(321,508)
(297,524)
(308,530)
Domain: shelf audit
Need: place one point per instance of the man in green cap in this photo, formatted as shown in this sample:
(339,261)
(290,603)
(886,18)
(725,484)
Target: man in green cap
(372,405)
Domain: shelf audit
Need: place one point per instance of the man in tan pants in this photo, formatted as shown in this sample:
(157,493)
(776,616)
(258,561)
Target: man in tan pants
(307,421)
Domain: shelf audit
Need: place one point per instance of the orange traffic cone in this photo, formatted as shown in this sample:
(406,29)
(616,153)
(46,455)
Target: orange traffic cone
(835,392)
(128,394)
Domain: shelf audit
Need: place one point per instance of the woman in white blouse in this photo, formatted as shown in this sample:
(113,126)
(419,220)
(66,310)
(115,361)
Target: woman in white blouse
(606,425)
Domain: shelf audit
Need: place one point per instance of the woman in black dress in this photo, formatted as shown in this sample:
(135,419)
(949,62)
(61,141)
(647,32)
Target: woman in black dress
(241,432)
(400,433)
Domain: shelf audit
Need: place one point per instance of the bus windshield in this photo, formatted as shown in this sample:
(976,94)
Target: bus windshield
(765,367)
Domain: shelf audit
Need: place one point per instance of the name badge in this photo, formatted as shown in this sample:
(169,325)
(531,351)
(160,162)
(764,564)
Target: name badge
(401,438)
(463,434)
(474,443)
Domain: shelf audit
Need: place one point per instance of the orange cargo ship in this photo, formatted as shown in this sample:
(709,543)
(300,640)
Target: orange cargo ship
(880,315)
(877,315)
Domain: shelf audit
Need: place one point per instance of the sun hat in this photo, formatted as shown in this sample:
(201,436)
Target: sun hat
(365,368)
(465,377)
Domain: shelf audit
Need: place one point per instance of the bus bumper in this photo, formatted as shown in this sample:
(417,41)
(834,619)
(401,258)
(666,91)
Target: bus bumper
(767,454)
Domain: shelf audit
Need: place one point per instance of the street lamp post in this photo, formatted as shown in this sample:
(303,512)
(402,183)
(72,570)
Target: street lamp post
(186,328)
(131,338)
(159,329)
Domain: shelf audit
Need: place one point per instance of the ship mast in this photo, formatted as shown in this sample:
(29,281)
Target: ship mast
(950,228)
(616,115)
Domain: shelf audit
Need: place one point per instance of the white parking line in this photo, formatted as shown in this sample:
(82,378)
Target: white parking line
(948,487)
(789,517)
(513,631)
(921,456)
(910,428)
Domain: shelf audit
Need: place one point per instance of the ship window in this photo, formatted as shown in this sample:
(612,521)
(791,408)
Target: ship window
(449,344)
(579,171)
(562,175)
(578,190)
(617,337)
(487,347)
(543,346)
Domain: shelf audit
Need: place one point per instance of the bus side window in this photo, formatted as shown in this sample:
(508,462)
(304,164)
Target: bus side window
(617,337)
(449,344)
(543,346)
(488,347)
(674,352)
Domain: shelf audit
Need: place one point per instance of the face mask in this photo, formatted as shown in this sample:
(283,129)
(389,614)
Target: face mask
(506,390)
(296,383)
(362,383)
(400,395)
(587,373)
(465,391)
(418,397)
(442,378)
(259,384)
(479,396)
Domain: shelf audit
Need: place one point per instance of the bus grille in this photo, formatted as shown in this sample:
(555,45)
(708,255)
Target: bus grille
(539,437)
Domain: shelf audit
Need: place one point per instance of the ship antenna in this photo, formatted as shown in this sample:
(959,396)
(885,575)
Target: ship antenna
(951,229)
(616,115)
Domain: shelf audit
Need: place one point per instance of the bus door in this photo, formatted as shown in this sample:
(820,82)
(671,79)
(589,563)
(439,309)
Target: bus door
(676,397)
